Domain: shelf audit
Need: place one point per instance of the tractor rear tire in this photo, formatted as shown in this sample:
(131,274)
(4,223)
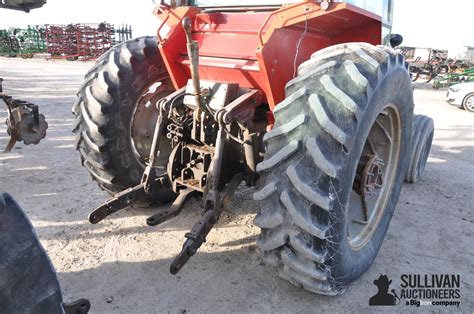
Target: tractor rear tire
(107,101)
(423,132)
(341,96)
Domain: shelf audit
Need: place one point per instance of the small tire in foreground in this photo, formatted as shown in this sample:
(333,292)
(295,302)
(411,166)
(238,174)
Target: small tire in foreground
(423,132)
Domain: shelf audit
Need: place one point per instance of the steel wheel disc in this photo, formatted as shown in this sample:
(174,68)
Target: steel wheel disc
(144,120)
(374,178)
(470,103)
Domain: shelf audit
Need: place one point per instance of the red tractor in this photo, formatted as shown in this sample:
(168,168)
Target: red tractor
(300,100)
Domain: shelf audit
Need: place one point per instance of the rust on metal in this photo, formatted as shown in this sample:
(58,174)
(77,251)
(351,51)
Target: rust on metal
(24,123)
(371,180)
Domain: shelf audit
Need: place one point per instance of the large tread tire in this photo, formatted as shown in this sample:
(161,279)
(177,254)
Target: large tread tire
(311,157)
(423,132)
(105,105)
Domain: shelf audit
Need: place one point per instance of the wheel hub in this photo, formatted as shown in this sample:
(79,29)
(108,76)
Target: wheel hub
(144,120)
(371,180)
(374,178)
(470,103)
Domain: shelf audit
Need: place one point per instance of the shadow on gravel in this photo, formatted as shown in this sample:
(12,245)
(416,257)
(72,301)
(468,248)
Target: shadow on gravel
(110,227)
(223,282)
(453,155)
(234,278)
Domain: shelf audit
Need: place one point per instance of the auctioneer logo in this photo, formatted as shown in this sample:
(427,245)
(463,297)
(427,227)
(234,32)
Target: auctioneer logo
(419,290)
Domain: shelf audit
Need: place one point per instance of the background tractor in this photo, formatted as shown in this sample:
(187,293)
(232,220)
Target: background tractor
(301,100)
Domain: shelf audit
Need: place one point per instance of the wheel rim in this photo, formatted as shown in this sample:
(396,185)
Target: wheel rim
(374,178)
(470,103)
(143,122)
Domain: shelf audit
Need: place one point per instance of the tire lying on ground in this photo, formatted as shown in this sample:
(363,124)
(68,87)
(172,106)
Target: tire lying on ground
(423,132)
(114,116)
(341,140)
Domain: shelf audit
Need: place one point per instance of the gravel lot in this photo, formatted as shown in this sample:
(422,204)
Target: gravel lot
(122,265)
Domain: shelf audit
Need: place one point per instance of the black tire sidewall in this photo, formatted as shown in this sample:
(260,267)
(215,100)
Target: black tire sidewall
(425,133)
(117,81)
(428,140)
(133,84)
(348,264)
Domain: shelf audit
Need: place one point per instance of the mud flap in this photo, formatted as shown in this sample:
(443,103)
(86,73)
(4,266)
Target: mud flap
(28,282)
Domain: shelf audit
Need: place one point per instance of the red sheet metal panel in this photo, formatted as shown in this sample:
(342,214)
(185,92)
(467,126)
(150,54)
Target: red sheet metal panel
(261,50)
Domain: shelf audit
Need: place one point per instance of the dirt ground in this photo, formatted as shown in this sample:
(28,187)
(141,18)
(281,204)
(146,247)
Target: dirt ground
(122,266)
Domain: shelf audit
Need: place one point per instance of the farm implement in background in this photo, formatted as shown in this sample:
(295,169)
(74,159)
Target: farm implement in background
(22,42)
(24,123)
(83,41)
(70,42)
(74,41)
(9,45)
(124,33)
(426,63)
(454,78)
(31,40)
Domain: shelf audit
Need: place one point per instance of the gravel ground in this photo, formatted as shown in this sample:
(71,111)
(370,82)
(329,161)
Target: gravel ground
(122,265)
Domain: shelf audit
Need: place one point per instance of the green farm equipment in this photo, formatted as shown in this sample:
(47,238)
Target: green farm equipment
(31,40)
(454,78)
(9,46)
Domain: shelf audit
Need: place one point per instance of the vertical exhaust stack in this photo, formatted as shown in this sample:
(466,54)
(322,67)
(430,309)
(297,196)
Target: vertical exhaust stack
(193,53)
